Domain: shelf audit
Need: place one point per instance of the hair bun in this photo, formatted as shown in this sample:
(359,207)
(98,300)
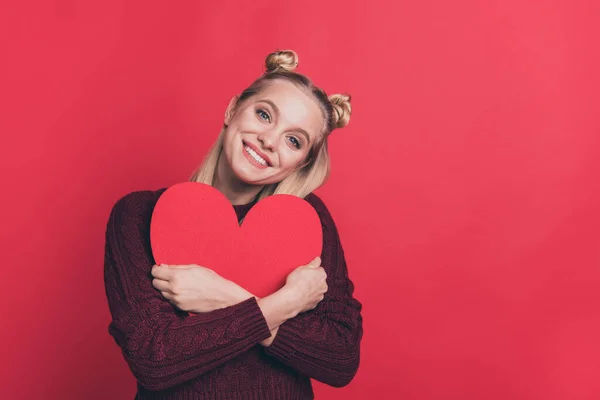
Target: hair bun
(342,109)
(282,61)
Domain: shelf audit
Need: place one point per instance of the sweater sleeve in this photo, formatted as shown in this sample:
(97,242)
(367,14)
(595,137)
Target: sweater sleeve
(324,343)
(162,345)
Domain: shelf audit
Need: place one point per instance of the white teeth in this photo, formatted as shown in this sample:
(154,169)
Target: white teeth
(254,155)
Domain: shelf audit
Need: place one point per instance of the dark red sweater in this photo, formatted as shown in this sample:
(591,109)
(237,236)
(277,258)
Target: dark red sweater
(217,355)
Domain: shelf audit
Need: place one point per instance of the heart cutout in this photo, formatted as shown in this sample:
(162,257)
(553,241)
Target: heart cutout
(194,223)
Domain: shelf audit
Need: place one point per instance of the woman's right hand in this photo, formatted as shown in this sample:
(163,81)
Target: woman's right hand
(304,288)
(307,284)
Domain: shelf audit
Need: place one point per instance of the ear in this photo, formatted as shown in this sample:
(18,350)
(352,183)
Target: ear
(231,109)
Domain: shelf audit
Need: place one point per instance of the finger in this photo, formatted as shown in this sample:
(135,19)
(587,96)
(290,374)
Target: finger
(163,273)
(177,266)
(315,263)
(161,285)
(167,296)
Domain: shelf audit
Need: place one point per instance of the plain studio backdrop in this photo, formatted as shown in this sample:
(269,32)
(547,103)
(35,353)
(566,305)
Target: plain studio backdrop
(466,188)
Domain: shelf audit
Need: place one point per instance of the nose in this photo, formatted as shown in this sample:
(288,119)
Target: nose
(268,140)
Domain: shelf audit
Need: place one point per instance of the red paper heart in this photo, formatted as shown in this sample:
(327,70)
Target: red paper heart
(194,223)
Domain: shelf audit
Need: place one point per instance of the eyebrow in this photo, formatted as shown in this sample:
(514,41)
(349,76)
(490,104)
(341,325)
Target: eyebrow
(274,107)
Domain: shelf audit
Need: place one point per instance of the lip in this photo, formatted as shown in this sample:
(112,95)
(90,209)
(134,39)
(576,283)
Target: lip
(260,153)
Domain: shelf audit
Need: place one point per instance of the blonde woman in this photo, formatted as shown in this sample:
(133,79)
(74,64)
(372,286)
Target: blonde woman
(238,346)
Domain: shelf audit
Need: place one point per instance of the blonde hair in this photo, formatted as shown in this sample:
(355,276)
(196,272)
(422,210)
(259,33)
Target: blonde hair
(336,111)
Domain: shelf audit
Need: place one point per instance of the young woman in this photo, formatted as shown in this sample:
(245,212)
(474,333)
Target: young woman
(238,346)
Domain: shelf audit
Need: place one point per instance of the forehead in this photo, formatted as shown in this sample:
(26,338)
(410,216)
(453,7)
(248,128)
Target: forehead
(296,106)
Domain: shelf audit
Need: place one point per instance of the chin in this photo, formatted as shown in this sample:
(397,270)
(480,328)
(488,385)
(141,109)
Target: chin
(249,177)
(254,179)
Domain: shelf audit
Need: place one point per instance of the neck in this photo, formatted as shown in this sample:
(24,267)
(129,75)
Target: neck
(236,191)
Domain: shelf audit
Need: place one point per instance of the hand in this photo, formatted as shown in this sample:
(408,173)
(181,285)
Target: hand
(307,285)
(196,289)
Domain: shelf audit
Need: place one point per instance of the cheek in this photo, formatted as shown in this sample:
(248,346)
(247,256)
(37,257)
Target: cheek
(230,150)
(230,139)
(293,160)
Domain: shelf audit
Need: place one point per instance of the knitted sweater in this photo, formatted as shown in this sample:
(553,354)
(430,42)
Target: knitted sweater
(218,355)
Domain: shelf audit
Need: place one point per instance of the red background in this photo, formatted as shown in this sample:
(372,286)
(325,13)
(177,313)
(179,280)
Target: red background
(466,188)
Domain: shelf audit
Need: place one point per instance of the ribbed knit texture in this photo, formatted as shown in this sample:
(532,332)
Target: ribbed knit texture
(218,355)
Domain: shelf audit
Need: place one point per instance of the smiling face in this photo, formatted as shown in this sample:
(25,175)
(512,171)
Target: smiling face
(269,135)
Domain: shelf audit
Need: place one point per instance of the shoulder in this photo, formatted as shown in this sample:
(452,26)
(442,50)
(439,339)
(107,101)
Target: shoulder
(319,205)
(315,201)
(135,206)
(331,236)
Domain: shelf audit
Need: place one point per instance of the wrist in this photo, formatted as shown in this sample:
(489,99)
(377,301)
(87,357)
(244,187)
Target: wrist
(290,301)
(237,294)
(278,308)
(268,341)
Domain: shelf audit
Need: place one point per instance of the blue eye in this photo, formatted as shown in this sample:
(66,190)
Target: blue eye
(262,114)
(295,142)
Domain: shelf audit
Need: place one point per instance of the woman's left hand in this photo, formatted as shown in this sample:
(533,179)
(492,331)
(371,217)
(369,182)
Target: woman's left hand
(196,289)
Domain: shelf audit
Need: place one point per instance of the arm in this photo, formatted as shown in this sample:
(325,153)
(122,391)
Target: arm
(162,346)
(323,343)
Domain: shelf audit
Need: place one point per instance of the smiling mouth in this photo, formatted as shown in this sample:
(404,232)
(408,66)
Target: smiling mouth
(255,157)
